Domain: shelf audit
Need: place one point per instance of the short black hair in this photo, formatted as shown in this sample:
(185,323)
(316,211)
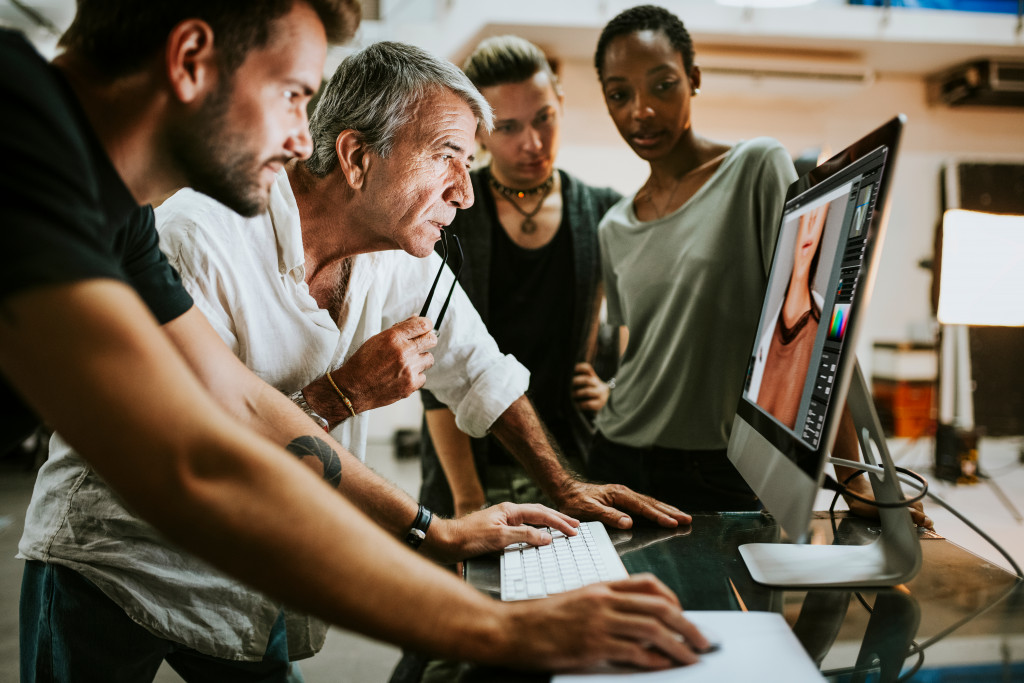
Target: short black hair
(119,36)
(646,18)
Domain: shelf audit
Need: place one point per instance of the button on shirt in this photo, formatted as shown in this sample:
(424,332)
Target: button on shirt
(247,277)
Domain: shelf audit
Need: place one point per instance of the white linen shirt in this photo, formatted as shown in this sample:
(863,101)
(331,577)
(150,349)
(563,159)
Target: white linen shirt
(247,278)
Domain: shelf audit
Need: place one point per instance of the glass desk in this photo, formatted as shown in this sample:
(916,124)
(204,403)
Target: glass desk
(960,619)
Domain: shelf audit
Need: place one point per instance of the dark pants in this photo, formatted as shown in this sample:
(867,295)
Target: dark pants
(693,481)
(71,631)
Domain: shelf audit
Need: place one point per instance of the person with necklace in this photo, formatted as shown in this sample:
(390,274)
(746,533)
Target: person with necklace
(685,264)
(531,270)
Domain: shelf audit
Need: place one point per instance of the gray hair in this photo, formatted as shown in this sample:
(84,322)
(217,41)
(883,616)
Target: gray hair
(374,92)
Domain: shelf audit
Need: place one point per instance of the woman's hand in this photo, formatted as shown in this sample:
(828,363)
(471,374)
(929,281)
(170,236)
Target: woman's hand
(589,392)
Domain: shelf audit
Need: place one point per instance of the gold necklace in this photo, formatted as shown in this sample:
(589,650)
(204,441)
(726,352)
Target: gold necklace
(528,226)
(649,196)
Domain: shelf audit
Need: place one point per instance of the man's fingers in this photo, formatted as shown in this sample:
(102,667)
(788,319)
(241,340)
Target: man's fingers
(535,513)
(415,326)
(661,513)
(609,516)
(525,534)
(645,583)
(656,636)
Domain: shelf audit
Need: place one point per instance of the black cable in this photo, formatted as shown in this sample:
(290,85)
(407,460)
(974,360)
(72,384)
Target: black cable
(841,489)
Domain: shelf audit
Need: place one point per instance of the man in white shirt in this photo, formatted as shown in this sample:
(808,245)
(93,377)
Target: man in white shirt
(342,261)
(76,522)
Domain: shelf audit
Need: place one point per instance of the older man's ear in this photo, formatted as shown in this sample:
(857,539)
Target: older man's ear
(353,157)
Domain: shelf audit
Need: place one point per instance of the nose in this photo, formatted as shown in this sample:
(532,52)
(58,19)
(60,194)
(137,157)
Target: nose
(299,142)
(459,192)
(532,141)
(641,108)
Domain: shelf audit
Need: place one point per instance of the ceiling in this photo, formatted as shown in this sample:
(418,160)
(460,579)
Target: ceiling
(896,41)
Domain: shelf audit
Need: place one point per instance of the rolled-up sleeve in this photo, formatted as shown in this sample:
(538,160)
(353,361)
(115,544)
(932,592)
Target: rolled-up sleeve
(470,374)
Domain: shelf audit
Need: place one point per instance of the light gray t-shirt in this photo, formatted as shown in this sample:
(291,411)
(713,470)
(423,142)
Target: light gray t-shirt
(689,287)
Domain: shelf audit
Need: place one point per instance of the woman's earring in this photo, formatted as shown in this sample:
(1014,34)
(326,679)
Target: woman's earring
(696,91)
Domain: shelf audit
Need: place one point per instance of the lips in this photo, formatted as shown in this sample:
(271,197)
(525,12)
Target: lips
(646,138)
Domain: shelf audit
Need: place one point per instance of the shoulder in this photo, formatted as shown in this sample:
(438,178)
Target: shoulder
(187,212)
(601,198)
(618,216)
(44,134)
(757,150)
(194,228)
(765,158)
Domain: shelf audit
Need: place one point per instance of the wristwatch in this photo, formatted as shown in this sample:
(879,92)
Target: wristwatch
(299,399)
(418,531)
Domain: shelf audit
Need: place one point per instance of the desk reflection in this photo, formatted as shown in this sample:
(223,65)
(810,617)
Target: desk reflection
(960,616)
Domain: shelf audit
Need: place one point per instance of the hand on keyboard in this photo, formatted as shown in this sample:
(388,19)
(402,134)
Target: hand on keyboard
(568,562)
(493,529)
(635,622)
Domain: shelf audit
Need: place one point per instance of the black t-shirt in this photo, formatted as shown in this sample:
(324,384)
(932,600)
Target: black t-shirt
(531,312)
(68,216)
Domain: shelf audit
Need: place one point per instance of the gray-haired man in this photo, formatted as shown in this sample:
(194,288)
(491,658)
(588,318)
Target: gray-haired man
(345,239)
(315,282)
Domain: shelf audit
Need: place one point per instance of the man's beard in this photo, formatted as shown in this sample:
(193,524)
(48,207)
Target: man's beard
(218,160)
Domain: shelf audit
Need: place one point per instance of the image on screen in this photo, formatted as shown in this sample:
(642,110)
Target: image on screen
(807,307)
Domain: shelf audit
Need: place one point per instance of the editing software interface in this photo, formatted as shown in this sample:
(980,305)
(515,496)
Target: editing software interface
(804,322)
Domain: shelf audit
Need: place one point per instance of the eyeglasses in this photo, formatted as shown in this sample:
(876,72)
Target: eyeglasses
(456,269)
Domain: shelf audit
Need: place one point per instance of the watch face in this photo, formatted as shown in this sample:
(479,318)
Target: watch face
(415,537)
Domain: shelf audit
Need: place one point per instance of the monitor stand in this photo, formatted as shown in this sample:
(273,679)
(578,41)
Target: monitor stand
(892,558)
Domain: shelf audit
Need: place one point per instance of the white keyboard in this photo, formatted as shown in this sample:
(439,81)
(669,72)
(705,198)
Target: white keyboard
(568,562)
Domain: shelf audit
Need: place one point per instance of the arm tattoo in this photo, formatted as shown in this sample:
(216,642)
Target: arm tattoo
(310,446)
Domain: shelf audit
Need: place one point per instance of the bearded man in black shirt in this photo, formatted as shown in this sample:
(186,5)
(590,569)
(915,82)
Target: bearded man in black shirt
(150,96)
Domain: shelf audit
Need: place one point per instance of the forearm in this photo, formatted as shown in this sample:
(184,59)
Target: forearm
(455,453)
(271,414)
(117,388)
(521,432)
(326,402)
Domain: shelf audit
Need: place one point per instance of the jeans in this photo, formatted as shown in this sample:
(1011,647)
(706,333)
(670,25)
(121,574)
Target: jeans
(71,631)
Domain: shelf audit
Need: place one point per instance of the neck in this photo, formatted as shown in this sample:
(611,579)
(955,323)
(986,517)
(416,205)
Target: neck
(326,235)
(126,114)
(798,302)
(689,152)
(329,219)
(496,175)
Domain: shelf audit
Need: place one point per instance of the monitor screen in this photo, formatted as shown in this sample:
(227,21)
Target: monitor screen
(803,353)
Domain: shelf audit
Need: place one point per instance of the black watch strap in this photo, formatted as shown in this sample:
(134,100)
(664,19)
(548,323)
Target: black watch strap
(418,531)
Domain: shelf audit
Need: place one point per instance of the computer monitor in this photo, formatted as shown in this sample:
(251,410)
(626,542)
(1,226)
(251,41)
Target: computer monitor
(803,368)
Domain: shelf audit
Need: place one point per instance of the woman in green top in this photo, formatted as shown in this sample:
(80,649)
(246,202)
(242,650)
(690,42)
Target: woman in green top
(685,267)
(686,263)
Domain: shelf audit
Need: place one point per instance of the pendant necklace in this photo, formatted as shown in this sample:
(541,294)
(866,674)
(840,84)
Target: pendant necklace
(649,196)
(529,226)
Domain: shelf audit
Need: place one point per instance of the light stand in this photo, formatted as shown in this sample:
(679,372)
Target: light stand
(981,281)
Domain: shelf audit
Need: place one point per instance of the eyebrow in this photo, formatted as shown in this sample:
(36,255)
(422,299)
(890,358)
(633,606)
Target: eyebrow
(457,148)
(650,72)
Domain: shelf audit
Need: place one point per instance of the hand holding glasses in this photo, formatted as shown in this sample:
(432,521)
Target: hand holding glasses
(456,269)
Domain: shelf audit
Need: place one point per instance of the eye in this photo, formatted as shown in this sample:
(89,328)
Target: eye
(666,85)
(615,96)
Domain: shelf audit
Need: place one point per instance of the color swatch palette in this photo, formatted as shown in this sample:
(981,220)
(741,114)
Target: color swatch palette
(837,326)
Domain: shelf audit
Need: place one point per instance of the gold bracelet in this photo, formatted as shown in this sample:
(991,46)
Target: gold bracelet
(344,398)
